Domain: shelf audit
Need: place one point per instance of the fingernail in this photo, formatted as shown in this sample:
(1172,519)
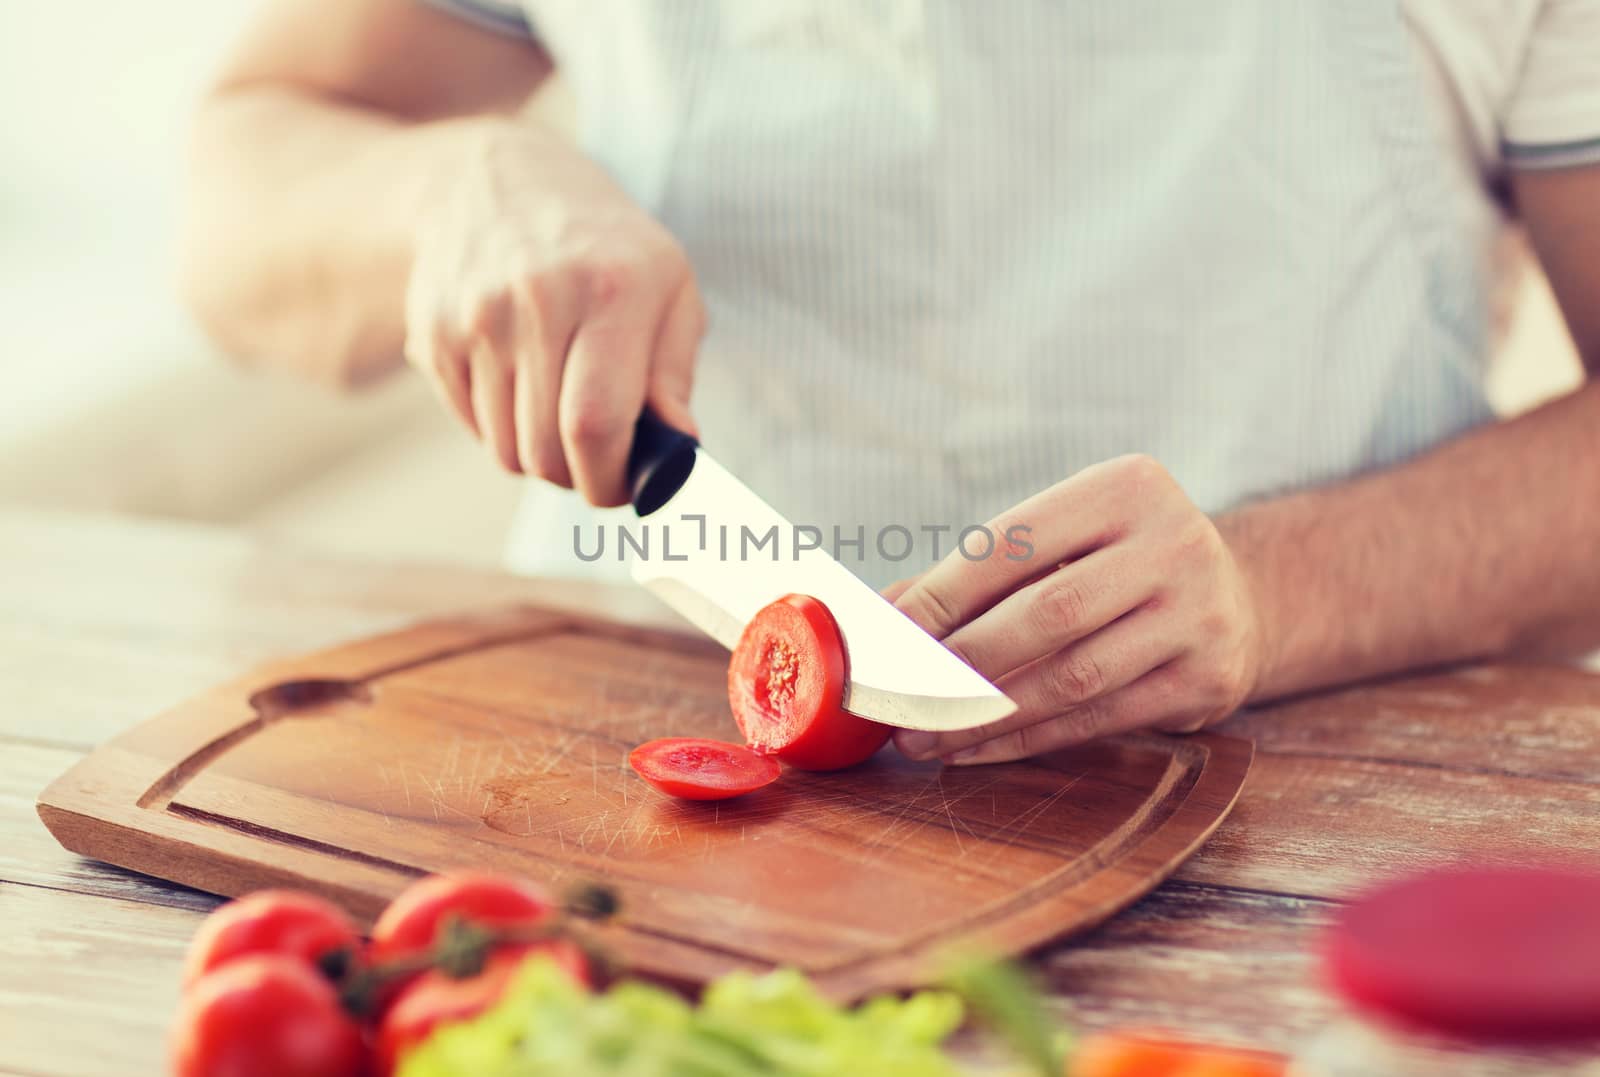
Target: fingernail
(914,743)
(965,755)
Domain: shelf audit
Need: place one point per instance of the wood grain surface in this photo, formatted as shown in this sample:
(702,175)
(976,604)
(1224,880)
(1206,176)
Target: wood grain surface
(498,742)
(105,621)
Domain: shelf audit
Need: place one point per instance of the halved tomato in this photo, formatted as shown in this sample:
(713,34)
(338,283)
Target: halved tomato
(786,685)
(695,768)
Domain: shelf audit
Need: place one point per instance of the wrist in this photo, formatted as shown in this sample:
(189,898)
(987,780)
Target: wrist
(1246,538)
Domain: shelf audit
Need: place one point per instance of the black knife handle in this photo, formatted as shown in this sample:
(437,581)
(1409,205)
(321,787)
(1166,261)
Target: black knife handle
(658,463)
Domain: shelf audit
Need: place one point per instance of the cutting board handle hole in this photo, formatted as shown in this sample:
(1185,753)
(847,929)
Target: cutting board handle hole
(283,700)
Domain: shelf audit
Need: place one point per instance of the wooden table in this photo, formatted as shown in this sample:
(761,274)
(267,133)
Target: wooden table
(104,622)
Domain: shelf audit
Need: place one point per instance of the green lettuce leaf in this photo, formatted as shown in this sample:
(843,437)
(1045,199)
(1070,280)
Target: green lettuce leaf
(773,1024)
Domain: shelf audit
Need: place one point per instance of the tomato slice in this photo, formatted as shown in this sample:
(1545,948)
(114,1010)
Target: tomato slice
(786,686)
(695,768)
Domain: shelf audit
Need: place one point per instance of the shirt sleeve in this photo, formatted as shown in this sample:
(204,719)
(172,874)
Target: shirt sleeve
(1552,114)
(501,16)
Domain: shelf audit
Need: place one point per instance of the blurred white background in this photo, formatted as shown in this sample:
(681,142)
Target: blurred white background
(110,399)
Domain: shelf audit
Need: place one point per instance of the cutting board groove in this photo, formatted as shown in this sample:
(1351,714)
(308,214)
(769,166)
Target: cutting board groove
(498,741)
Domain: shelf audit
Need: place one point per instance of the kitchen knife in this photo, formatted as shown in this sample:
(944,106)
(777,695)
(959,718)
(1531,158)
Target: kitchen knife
(697,559)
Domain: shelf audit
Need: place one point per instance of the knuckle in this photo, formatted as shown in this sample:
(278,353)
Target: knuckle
(1063,607)
(506,456)
(1074,726)
(937,612)
(961,651)
(542,291)
(1215,625)
(1033,739)
(1217,688)
(547,463)
(1142,471)
(443,363)
(1013,539)
(1073,678)
(1198,540)
(668,259)
(589,424)
(488,315)
(1211,688)
(608,280)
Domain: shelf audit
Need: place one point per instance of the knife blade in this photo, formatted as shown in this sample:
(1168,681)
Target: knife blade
(696,558)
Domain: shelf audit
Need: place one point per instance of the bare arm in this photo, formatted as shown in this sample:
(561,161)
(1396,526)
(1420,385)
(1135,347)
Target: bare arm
(313,157)
(1488,544)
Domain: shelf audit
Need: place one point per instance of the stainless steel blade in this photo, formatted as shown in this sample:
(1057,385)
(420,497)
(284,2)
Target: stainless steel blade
(700,562)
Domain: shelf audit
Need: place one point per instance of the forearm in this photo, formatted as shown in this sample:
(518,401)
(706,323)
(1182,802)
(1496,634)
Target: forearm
(1488,544)
(298,236)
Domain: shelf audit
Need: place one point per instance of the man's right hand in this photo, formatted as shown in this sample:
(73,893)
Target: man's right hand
(548,309)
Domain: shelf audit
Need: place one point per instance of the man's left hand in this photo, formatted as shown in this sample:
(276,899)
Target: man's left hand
(1108,602)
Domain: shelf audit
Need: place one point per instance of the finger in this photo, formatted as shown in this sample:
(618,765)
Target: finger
(544,328)
(672,365)
(446,368)
(1079,598)
(898,588)
(1188,723)
(1143,703)
(603,391)
(1090,510)
(1117,655)
(438,354)
(492,404)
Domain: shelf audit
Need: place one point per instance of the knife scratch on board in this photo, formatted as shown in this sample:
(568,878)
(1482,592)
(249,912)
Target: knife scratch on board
(1025,818)
(944,802)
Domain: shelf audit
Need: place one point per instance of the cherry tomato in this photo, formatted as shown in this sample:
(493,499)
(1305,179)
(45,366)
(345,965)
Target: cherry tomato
(694,768)
(265,1015)
(786,685)
(411,923)
(436,999)
(270,922)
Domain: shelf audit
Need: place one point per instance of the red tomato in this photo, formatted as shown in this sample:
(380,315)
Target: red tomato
(698,769)
(412,921)
(269,922)
(786,686)
(265,1015)
(435,999)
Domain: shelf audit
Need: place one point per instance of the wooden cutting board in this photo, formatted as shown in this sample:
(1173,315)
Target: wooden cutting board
(499,742)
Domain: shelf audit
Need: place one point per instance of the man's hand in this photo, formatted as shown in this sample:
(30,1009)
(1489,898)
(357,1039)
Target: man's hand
(548,309)
(1129,611)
